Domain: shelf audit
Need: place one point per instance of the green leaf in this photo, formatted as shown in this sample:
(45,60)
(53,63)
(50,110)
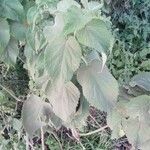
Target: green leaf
(31,58)
(137,132)
(80,117)
(74,23)
(139,107)
(35,39)
(64,5)
(99,87)
(145,145)
(32,14)
(11,52)
(4,34)
(95,35)
(33,111)
(64,99)
(11,9)
(141,80)
(114,119)
(17,30)
(62,58)
(137,126)
(17,124)
(53,32)
(39,2)
(2,97)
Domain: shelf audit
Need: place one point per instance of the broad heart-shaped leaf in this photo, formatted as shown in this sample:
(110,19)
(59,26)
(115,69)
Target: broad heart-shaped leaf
(4,35)
(74,23)
(137,132)
(139,107)
(141,80)
(96,35)
(11,52)
(34,109)
(64,99)
(11,9)
(100,88)
(62,58)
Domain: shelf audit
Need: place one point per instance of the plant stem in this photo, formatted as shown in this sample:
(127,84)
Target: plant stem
(93,132)
(17,99)
(42,138)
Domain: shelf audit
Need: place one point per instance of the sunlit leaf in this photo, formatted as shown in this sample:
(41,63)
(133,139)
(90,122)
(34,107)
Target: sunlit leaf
(95,35)
(62,58)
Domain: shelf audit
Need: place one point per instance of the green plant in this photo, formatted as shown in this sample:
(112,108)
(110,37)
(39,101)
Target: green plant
(65,60)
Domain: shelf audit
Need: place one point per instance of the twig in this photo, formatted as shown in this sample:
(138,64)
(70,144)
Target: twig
(93,132)
(55,136)
(17,99)
(42,138)
(95,120)
(27,142)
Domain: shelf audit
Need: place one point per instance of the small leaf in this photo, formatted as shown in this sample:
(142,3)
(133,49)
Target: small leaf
(99,88)
(4,35)
(62,58)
